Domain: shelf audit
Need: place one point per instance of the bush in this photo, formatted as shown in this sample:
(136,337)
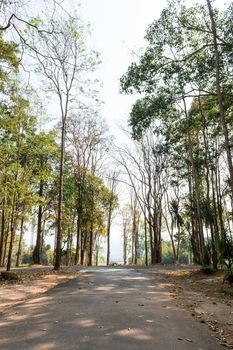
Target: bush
(208,270)
(228,277)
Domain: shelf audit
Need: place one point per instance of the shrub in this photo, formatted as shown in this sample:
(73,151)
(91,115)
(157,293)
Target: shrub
(208,270)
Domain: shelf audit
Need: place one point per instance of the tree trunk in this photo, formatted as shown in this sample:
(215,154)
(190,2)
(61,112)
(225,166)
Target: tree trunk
(20,242)
(90,247)
(220,98)
(108,232)
(2,232)
(77,251)
(196,187)
(12,235)
(96,255)
(125,245)
(37,249)
(145,239)
(214,234)
(82,246)
(57,263)
(5,243)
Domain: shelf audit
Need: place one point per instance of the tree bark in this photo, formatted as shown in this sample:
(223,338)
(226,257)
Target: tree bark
(20,242)
(90,247)
(57,263)
(220,97)
(108,231)
(2,232)
(37,249)
(145,238)
(12,235)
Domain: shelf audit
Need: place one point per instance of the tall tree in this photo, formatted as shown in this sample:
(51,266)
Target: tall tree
(63,63)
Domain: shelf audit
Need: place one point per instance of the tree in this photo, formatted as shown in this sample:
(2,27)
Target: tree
(64,61)
(87,145)
(46,152)
(188,57)
(111,203)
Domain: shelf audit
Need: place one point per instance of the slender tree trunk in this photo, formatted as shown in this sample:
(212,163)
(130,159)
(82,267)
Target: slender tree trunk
(7,231)
(57,263)
(96,255)
(79,213)
(2,232)
(133,237)
(157,238)
(152,252)
(90,247)
(137,251)
(68,250)
(108,231)
(215,213)
(82,245)
(37,249)
(196,185)
(125,245)
(214,234)
(12,235)
(20,242)
(219,93)
(145,239)
(77,252)
(219,205)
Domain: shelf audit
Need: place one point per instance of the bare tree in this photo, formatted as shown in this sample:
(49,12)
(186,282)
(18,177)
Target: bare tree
(87,144)
(144,168)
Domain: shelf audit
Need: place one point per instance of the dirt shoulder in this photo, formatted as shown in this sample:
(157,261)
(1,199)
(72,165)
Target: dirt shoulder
(207,299)
(30,284)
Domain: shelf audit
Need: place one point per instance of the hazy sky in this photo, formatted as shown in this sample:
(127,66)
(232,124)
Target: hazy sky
(118,29)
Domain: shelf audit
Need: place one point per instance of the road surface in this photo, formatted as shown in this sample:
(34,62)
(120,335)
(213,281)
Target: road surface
(115,309)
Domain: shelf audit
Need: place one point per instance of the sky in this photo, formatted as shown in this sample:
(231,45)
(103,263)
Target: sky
(118,29)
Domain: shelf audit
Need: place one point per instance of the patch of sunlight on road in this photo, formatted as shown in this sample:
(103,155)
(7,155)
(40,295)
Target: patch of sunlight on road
(87,323)
(141,278)
(45,346)
(135,333)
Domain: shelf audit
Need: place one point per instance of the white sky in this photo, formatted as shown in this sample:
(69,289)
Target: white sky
(118,29)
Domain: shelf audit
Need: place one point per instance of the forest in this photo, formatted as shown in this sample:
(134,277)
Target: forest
(64,180)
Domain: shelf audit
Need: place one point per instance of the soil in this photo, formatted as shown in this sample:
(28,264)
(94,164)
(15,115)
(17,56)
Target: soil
(207,298)
(31,282)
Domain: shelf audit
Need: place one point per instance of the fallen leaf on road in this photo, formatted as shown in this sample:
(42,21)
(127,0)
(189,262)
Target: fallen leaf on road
(189,340)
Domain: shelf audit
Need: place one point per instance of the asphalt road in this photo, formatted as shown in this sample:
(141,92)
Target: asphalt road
(115,309)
